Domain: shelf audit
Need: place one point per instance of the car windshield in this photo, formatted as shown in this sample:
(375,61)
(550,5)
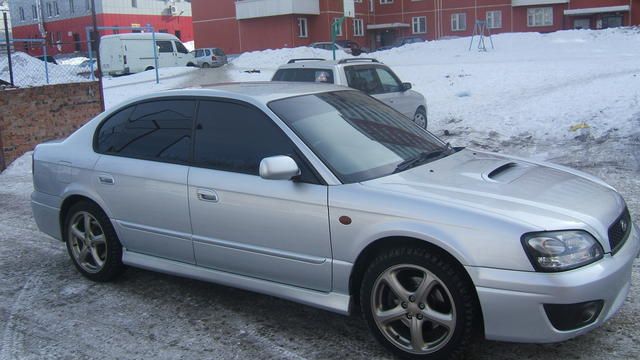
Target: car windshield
(356,136)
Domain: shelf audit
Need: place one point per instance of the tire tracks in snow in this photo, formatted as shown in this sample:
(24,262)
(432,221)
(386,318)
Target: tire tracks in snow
(12,337)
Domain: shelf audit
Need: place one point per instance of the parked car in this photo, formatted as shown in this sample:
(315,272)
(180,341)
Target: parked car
(401,42)
(368,75)
(210,57)
(330,46)
(50,59)
(86,66)
(354,46)
(323,195)
(132,53)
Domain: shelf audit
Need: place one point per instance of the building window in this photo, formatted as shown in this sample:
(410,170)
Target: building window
(419,24)
(459,22)
(358,27)
(540,16)
(303,29)
(21,13)
(336,21)
(87,4)
(72,7)
(49,10)
(56,9)
(371,6)
(494,19)
(134,3)
(34,12)
(382,2)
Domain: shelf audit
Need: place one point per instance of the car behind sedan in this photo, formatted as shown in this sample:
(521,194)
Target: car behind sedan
(322,195)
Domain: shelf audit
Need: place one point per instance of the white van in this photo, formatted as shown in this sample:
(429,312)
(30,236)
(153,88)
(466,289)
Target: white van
(132,53)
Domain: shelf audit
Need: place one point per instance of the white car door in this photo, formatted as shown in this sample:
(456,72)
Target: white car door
(275,230)
(166,53)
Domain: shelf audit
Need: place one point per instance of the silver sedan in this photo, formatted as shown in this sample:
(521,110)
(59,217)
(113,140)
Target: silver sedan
(322,195)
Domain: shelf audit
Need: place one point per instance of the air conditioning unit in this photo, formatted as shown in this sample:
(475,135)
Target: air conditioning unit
(173,10)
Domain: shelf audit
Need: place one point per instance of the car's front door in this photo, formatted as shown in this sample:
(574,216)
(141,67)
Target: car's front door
(182,54)
(393,93)
(142,175)
(166,53)
(384,85)
(275,230)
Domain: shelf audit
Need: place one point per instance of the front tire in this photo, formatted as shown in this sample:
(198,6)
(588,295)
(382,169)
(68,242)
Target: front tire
(92,242)
(206,66)
(420,117)
(417,304)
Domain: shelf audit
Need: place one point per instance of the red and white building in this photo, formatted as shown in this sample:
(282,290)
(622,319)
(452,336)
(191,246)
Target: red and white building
(245,25)
(63,23)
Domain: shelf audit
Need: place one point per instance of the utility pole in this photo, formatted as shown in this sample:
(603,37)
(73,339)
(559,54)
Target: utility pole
(96,35)
(6,38)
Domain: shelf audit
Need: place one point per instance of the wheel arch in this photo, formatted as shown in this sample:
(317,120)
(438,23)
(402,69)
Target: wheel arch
(69,201)
(375,247)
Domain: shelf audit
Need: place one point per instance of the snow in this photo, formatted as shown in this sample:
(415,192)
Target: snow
(73,61)
(19,167)
(30,71)
(542,86)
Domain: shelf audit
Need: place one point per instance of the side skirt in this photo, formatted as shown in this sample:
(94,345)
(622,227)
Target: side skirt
(335,302)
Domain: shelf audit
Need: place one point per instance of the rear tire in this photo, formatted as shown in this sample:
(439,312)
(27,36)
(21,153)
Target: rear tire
(418,304)
(206,66)
(92,242)
(149,68)
(420,117)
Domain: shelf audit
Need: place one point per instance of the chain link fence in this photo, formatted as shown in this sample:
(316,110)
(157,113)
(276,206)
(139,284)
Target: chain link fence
(32,65)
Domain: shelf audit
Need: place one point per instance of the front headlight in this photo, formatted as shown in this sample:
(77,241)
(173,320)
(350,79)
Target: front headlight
(561,250)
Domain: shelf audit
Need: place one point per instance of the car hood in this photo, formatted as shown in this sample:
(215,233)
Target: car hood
(544,196)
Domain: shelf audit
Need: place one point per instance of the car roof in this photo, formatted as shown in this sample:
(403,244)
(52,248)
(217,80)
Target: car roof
(327,63)
(141,36)
(256,92)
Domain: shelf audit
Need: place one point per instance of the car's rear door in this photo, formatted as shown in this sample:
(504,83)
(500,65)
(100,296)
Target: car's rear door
(275,230)
(142,176)
(382,84)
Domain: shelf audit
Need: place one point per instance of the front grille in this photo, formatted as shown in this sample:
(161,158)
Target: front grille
(619,231)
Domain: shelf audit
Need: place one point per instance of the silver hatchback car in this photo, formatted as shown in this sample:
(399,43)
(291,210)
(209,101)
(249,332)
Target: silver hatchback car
(322,195)
(365,74)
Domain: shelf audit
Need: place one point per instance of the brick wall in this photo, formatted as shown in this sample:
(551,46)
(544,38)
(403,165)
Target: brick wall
(32,115)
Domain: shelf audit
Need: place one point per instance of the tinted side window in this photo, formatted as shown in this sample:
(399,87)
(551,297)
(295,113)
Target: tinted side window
(199,53)
(364,79)
(158,130)
(180,47)
(388,81)
(304,75)
(207,52)
(164,46)
(235,137)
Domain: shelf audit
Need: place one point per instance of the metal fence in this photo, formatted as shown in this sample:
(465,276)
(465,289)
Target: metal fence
(27,63)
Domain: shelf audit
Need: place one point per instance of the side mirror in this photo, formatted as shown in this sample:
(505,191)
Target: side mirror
(406,86)
(278,168)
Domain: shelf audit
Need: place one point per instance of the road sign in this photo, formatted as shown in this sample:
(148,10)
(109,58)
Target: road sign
(349,8)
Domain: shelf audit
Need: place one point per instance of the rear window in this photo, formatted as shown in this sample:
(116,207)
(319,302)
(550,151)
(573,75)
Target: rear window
(218,52)
(304,75)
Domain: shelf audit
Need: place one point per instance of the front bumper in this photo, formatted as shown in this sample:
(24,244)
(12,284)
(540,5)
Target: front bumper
(512,301)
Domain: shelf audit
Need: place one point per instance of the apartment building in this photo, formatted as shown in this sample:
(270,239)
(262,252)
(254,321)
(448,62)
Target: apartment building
(245,25)
(63,23)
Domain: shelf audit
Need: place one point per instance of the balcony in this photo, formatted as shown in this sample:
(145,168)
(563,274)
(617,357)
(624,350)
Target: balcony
(250,9)
(537,2)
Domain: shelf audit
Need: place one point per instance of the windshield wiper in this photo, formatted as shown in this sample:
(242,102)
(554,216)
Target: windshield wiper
(423,158)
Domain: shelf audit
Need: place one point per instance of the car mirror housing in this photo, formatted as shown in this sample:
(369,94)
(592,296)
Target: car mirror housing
(278,168)
(406,86)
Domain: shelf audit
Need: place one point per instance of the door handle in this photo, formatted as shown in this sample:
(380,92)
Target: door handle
(207,195)
(106,179)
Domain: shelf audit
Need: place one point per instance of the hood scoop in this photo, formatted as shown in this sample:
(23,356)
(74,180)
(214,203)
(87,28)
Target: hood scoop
(506,172)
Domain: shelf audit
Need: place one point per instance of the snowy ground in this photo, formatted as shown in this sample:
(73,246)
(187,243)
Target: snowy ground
(521,98)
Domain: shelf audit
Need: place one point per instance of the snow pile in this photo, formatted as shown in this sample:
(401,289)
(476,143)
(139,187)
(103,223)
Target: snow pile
(558,85)
(20,166)
(30,71)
